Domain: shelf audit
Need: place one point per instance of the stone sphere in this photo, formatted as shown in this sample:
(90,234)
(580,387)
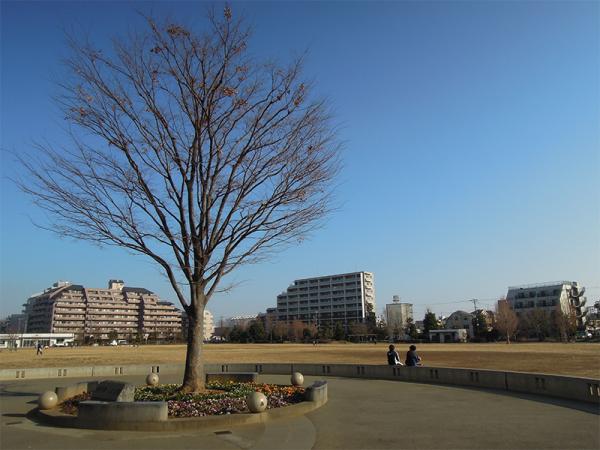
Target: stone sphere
(257,402)
(297,379)
(152,379)
(48,400)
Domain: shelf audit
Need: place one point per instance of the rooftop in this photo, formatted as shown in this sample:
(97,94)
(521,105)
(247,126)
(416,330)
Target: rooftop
(540,285)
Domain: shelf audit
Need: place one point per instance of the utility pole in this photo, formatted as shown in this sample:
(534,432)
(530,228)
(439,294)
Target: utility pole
(477,324)
(474,304)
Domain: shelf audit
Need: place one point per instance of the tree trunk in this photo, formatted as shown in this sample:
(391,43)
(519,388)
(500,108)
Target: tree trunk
(193,379)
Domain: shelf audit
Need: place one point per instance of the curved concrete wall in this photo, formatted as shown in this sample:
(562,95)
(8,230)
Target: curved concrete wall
(573,388)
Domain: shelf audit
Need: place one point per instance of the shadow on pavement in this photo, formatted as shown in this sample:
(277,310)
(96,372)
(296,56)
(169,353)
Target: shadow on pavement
(6,393)
(571,404)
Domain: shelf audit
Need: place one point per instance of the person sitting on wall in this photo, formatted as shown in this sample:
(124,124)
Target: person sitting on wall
(393,357)
(412,358)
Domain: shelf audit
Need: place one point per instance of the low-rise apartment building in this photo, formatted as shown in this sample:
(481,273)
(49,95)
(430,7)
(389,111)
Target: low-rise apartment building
(98,312)
(397,315)
(566,295)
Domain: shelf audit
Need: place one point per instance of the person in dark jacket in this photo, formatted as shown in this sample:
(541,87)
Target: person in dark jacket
(412,358)
(393,357)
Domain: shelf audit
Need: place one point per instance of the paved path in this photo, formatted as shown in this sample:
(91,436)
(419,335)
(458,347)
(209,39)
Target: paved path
(360,414)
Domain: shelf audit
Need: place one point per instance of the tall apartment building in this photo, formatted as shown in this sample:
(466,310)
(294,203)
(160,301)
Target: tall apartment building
(567,295)
(397,314)
(128,311)
(328,299)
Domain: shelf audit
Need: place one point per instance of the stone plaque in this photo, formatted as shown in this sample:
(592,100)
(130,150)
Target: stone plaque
(114,391)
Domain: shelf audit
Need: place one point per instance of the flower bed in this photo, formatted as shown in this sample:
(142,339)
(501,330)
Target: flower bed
(70,405)
(225,398)
(222,398)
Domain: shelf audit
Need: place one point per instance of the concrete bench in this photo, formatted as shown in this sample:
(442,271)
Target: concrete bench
(317,392)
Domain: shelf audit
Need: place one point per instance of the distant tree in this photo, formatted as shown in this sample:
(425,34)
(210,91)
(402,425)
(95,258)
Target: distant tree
(370,318)
(358,328)
(411,329)
(12,339)
(430,322)
(256,331)
(296,331)
(152,337)
(310,331)
(507,322)
(381,330)
(189,150)
(79,338)
(113,335)
(239,334)
(536,322)
(339,334)
(565,323)
(325,332)
(269,323)
(480,325)
(280,331)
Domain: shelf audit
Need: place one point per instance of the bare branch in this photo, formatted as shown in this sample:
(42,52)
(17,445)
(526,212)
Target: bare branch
(189,151)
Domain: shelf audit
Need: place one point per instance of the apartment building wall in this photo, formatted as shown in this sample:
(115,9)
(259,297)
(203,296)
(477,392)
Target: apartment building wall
(460,320)
(566,295)
(130,311)
(328,299)
(208,325)
(397,315)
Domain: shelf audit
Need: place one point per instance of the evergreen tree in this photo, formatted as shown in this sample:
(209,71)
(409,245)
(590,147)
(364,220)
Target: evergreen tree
(339,333)
(430,322)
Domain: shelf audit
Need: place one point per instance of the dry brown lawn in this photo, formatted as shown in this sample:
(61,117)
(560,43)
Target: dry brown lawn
(580,359)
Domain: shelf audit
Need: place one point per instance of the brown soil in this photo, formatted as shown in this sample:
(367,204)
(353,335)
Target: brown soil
(578,359)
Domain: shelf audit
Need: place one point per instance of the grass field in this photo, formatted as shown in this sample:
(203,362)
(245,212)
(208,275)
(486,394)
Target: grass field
(581,359)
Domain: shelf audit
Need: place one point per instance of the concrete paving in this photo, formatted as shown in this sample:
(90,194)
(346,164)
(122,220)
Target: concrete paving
(360,414)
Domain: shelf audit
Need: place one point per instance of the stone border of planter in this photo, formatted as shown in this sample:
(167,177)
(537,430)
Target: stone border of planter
(152,416)
(560,386)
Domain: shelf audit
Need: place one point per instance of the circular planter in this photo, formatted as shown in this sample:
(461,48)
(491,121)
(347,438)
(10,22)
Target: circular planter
(125,419)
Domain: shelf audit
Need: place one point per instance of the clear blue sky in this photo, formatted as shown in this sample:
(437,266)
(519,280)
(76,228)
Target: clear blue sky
(472,146)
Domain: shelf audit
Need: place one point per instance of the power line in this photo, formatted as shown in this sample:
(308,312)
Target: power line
(494,299)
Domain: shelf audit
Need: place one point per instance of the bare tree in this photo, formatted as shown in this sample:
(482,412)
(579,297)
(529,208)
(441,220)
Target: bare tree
(296,330)
(187,150)
(565,323)
(537,322)
(12,340)
(507,322)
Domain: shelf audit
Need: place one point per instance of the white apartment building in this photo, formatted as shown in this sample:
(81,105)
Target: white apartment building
(209,325)
(567,295)
(328,299)
(397,315)
(208,328)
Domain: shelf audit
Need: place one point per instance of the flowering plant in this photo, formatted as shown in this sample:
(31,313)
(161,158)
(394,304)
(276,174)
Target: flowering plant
(229,398)
(71,405)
